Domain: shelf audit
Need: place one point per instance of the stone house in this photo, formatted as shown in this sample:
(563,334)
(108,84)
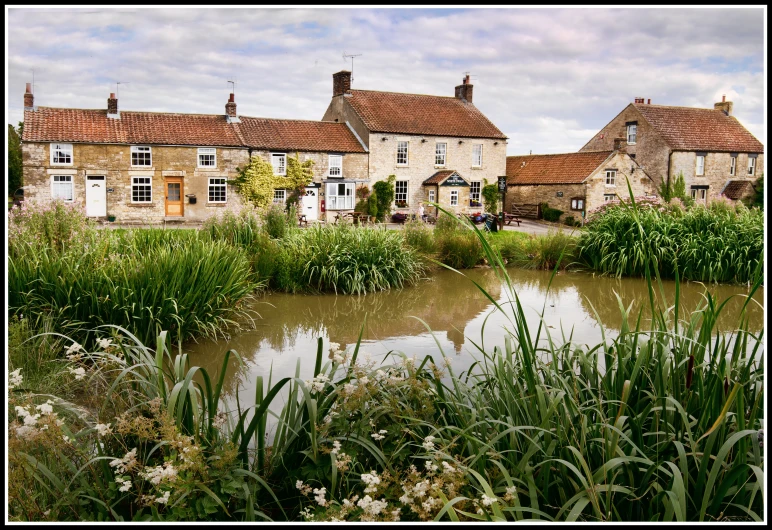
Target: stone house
(440,149)
(152,167)
(575,183)
(710,147)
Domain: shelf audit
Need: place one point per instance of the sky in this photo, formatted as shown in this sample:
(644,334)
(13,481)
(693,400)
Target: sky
(548,78)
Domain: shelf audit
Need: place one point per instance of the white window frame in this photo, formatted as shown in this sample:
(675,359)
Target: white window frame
(58,185)
(140,149)
(699,169)
(475,195)
(406,146)
(335,162)
(279,156)
(632,133)
(703,193)
(401,195)
(440,154)
(65,150)
(751,165)
(336,201)
(215,186)
(454,197)
(432,196)
(477,152)
(279,196)
(608,197)
(611,177)
(579,204)
(135,184)
(733,165)
(206,152)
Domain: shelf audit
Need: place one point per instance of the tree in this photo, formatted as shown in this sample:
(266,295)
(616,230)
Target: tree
(256,182)
(758,197)
(15,174)
(675,189)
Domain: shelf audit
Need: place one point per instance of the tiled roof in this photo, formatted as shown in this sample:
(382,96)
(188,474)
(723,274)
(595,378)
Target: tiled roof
(302,135)
(49,124)
(736,189)
(568,168)
(438,177)
(393,112)
(693,129)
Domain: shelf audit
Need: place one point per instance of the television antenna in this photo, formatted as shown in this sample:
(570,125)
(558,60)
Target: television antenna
(117,85)
(233,85)
(345,56)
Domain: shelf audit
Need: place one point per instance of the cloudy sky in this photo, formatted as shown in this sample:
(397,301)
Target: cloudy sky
(548,78)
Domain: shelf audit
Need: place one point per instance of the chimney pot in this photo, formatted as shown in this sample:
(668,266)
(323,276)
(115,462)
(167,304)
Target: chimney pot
(29,99)
(341,83)
(112,95)
(230,107)
(723,98)
(648,102)
(232,98)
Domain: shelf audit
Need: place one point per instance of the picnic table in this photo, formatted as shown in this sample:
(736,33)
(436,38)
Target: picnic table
(510,218)
(302,220)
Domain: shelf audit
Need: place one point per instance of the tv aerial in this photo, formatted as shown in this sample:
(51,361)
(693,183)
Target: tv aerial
(351,56)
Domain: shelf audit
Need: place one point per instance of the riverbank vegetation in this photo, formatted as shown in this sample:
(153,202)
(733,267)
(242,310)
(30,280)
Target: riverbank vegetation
(662,422)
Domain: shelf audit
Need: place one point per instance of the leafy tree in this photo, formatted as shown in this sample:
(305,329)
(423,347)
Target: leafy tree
(256,182)
(675,189)
(384,194)
(14,159)
(758,198)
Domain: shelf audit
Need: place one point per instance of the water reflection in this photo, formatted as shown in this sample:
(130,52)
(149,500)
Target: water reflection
(455,310)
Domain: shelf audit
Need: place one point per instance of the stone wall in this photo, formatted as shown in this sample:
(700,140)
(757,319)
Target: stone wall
(421,164)
(537,194)
(716,174)
(650,149)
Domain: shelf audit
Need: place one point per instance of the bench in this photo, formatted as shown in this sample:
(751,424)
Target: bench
(509,218)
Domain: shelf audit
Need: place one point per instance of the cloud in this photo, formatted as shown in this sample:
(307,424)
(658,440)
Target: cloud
(548,78)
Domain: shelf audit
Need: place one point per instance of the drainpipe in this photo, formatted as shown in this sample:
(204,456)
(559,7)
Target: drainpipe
(669,156)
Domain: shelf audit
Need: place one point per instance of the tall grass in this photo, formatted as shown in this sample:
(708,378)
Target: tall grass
(715,244)
(346,260)
(145,280)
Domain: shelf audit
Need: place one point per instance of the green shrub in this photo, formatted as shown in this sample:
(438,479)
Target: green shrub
(420,237)
(276,221)
(383,190)
(550,214)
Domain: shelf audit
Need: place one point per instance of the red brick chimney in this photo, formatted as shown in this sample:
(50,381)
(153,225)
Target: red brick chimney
(29,99)
(341,83)
(112,105)
(464,90)
(724,106)
(640,101)
(230,107)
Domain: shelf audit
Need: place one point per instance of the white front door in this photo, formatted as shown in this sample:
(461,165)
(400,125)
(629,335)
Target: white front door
(311,204)
(96,196)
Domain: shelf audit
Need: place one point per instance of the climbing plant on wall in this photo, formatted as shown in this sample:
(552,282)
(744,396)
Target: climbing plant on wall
(256,182)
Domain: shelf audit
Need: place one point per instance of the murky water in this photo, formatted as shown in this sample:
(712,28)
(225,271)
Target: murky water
(447,312)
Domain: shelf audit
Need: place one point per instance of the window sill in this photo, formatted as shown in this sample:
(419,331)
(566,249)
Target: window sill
(439,167)
(140,205)
(476,167)
(141,168)
(630,143)
(61,165)
(216,204)
(207,168)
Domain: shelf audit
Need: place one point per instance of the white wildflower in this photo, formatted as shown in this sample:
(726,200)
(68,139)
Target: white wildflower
(103,429)
(79,373)
(155,475)
(26,432)
(125,463)
(406,499)
(379,435)
(21,411)
(31,420)
(334,347)
(66,438)
(319,496)
(372,507)
(46,407)
(428,504)
(338,358)
(431,467)
(163,499)
(363,380)
(125,484)
(429,443)
(420,489)
(511,490)
(104,343)
(299,484)
(348,388)
(380,375)
(487,501)
(372,480)
(447,468)
(335,447)
(73,348)
(15,378)
(317,383)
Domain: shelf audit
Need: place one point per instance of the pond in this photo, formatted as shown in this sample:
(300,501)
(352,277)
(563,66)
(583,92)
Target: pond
(446,312)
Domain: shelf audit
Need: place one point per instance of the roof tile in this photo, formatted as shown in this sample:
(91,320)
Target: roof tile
(567,168)
(693,129)
(394,112)
(736,189)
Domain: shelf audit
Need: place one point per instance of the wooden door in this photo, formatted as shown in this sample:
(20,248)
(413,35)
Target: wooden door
(174,194)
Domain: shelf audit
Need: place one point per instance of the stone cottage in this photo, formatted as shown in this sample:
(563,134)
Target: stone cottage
(715,153)
(440,149)
(575,183)
(152,167)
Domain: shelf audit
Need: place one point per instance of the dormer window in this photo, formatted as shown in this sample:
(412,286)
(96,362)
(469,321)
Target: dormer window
(61,154)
